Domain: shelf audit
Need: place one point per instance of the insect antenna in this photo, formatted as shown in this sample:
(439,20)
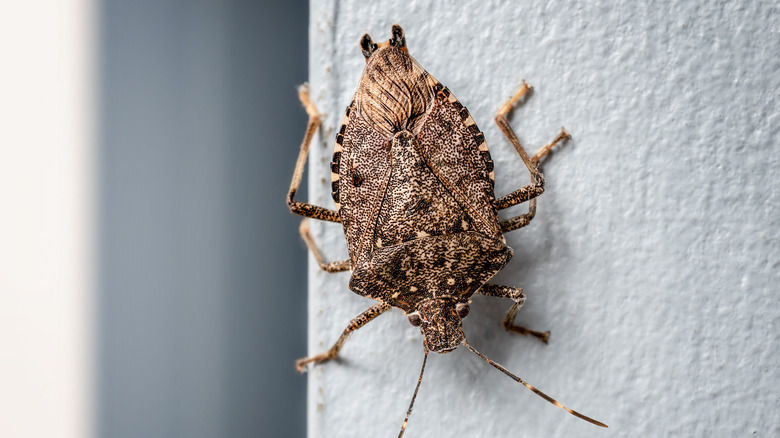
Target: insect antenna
(417,388)
(536,391)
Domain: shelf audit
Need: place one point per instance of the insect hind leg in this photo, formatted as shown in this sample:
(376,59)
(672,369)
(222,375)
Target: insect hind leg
(515,294)
(536,188)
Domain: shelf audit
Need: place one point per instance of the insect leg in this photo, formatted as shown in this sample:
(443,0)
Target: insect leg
(544,150)
(302,208)
(536,188)
(339,266)
(361,320)
(515,294)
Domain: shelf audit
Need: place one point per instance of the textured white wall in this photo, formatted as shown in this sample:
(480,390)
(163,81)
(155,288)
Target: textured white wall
(653,258)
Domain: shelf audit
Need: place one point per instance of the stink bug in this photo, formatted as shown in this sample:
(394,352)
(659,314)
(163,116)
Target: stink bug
(413,181)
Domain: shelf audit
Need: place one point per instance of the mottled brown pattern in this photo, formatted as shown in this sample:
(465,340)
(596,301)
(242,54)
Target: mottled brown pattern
(365,158)
(450,266)
(415,200)
(451,149)
(412,179)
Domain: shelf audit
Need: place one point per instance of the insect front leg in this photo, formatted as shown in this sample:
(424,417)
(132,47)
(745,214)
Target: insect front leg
(361,320)
(339,266)
(536,188)
(516,295)
(302,208)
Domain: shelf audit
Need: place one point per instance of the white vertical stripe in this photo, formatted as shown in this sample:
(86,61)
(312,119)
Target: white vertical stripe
(46,217)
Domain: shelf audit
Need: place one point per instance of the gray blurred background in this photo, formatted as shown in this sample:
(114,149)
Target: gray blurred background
(202,299)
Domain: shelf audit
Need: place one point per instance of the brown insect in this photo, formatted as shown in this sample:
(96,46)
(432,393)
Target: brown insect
(413,181)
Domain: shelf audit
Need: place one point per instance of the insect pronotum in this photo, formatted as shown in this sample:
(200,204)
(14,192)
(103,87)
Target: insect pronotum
(412,181)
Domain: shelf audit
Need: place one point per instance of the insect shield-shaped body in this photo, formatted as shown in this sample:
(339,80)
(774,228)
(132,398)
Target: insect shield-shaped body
(412,180)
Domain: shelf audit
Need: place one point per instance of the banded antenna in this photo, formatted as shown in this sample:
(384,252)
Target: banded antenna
(532,388)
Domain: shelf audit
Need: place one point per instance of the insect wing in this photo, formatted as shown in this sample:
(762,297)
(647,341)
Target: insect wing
(456,151)
(362,157)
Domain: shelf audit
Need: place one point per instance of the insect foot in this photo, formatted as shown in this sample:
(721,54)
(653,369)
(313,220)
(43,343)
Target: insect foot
(413,183)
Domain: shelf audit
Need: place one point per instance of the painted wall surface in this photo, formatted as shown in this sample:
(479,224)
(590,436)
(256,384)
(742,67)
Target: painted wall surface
(654,258)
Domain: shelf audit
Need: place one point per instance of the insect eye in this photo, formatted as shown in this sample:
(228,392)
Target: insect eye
(463,310)
(414,319)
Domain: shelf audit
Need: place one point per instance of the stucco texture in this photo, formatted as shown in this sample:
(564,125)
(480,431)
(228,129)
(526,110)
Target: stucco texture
(653,259)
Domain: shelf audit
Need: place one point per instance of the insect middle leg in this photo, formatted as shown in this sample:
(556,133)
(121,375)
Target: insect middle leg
(302,208)
(516,295)
(536,188)
(339,266)
(361,320)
